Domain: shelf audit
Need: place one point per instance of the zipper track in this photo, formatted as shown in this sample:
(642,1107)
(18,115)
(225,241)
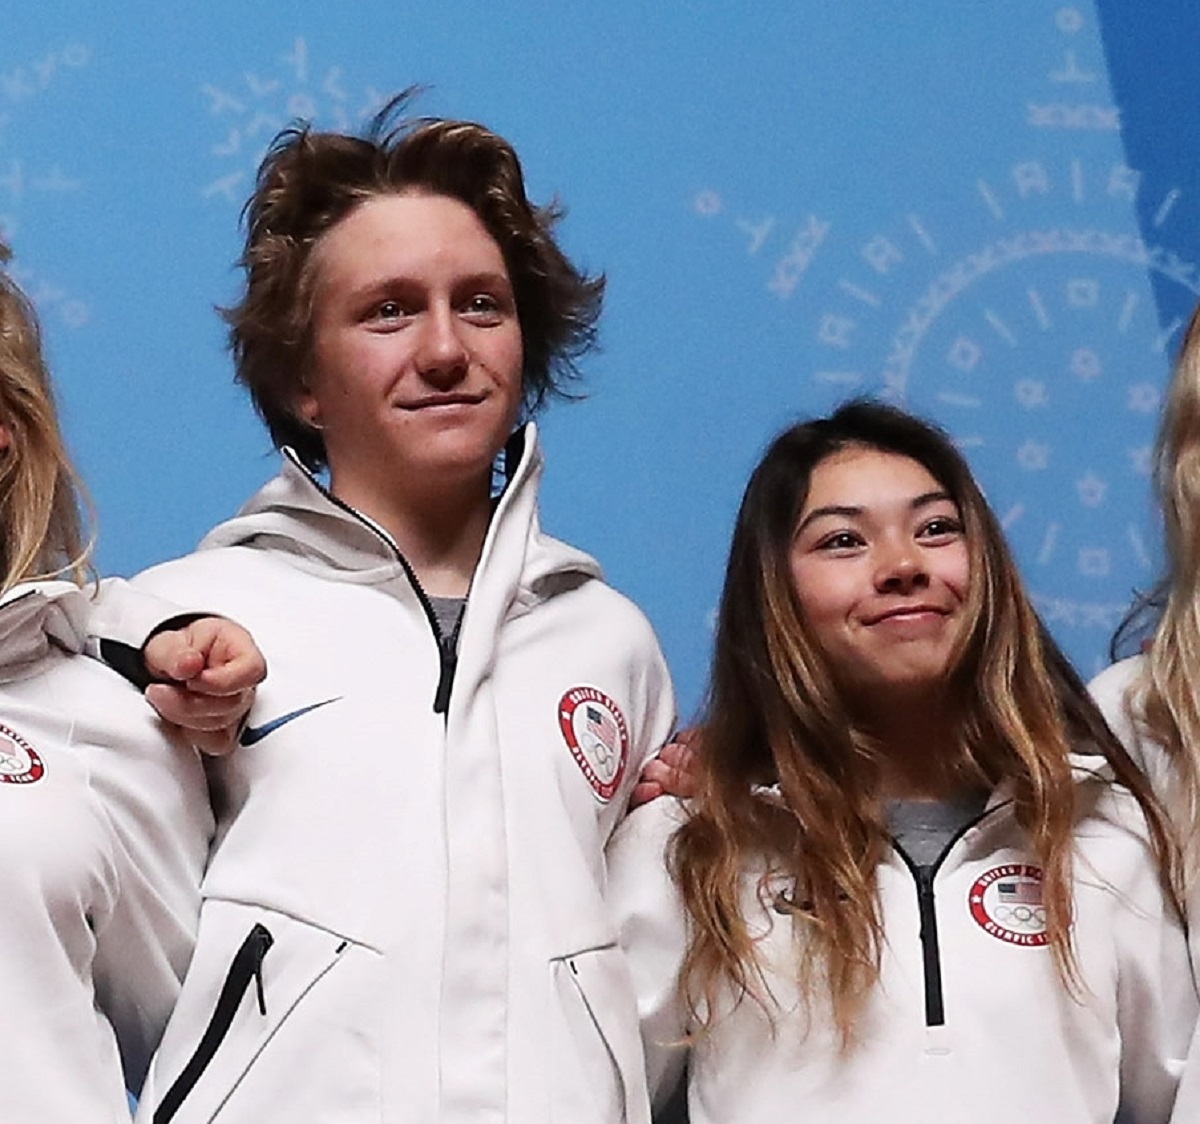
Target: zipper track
(245,967)
(447,646)
(935,1006)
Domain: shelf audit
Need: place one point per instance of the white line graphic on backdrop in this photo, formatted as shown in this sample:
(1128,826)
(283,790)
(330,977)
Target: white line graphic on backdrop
(249,112)
(26,180)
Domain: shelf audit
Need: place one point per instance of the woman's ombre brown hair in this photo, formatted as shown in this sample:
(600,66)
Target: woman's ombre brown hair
(788,775)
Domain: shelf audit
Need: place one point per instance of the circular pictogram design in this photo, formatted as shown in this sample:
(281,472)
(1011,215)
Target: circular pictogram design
(596,734)
(19,761)
(1006,902)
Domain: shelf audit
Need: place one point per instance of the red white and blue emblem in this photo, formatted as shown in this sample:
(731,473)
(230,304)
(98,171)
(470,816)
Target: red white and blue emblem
(597,736)
(1006,902)
(19,761)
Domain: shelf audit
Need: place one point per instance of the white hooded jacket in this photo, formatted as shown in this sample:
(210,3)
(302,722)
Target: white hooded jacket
(405,917)
(970,1020)
(105,826)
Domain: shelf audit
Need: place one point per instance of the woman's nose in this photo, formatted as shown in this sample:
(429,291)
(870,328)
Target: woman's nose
(901,569)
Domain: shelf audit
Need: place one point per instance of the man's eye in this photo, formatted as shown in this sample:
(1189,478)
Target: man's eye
(484,307)
(388,310)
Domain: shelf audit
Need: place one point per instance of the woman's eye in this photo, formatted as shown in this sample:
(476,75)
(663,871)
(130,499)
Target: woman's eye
(840,540)
(942,526)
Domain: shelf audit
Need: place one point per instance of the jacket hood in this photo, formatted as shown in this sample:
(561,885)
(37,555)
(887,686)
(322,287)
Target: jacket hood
(296,514)
(35,616)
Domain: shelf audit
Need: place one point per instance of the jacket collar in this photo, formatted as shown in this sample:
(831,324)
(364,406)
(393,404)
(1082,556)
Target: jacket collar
(295,513)
(36,616)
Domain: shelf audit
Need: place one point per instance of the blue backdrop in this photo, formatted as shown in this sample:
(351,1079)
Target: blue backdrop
(985,211)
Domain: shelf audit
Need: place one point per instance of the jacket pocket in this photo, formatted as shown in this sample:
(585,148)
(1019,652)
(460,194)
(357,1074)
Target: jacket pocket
(604,1076)
(247,967)
(241,1042)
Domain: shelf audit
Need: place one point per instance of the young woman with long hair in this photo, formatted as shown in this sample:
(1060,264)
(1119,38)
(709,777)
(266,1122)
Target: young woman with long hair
(920,879)
(104,816)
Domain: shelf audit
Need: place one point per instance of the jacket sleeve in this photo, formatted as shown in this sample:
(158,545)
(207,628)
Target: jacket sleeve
(656,695)
(1156,996)
(152,792)
(652,928)
(122,620)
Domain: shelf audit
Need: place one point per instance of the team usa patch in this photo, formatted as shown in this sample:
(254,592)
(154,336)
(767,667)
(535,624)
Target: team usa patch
(1006,902)
(19,761)
(597,736)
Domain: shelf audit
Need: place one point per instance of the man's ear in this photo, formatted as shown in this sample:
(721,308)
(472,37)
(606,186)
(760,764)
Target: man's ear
(307,408)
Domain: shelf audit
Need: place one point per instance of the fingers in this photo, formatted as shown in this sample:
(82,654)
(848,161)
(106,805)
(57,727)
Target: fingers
(214,667)
(676,765)
(655,781)
(643,792)
(675,754)
(209,722)
(213,656)
(171,655)
(671,773)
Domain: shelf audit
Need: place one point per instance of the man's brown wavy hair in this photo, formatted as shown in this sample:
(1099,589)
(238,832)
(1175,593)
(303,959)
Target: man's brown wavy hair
(310,181)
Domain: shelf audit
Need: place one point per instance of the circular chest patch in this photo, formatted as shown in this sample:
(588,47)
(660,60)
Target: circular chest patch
(597,736)
(1006,902)
(19,762)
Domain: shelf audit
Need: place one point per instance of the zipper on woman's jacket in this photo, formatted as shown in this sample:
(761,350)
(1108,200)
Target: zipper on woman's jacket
(935,1007)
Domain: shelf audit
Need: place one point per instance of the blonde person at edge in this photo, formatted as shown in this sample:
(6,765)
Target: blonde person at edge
(103,808)
(920,881)
(1152,700)
(404,918)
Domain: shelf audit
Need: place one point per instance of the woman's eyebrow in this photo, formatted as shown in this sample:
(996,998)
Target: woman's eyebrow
(940,496)
(853,511)
(845,511)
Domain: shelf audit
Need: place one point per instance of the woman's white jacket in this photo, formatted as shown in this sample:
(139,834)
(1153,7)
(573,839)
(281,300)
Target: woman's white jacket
(104,828)
(405,915)
(970,1020)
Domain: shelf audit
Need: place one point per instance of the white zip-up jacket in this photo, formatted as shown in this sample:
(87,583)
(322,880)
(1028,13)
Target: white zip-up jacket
(105,826)
(1117,691)
(970,1020)
(405,916)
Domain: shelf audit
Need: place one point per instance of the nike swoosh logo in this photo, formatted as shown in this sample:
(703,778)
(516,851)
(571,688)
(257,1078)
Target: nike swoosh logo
(252,735)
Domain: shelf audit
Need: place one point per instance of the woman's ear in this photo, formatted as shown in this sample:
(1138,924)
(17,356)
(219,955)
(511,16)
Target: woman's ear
(6,438)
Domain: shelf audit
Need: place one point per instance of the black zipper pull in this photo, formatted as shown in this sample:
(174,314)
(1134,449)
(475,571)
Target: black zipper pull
(448,657)
(448,660)
(263,940)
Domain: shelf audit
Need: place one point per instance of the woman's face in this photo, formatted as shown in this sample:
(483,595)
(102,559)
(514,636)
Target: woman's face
(417,350)
(879,563)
